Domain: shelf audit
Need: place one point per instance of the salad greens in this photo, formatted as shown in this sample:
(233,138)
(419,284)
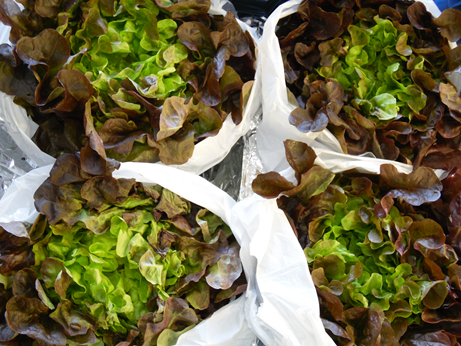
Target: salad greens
(378,75)
(374,70)
(112,262)
(383,251)
(147,80)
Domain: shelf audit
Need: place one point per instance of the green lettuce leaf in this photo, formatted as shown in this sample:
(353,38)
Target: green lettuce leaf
(383,250)
(378,76)
(127,263)
(125,68)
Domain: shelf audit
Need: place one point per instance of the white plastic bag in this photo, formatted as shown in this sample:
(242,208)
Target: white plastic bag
(275,128)
(282,304)
(338,162)
(227,326)
(207,153)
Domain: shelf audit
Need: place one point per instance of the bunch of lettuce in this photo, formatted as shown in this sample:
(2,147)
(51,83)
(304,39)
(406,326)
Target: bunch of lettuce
(113,262)
(147,79)
(377,74)
(383,251)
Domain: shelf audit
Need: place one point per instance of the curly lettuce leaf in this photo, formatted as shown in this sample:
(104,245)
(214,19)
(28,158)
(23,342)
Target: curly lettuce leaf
(126,62)
(393,68)
(128,256)
(383,251)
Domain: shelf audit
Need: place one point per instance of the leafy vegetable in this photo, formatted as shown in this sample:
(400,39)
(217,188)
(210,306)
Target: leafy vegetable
(383,250)
(375,75)
(113,262)
(145,80)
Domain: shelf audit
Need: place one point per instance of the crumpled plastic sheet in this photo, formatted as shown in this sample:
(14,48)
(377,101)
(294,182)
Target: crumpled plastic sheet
(227,174)
(257,342)
(13,162)
(251,162)
(240,167)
